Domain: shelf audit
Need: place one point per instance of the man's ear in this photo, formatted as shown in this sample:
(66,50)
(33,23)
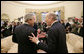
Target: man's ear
(30,19)
(51,17)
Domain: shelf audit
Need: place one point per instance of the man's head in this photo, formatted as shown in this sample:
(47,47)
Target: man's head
(50,18)
(30,19)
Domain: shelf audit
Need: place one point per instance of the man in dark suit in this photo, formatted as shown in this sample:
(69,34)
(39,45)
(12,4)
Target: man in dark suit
(56,41)
(21,33)
(12,26)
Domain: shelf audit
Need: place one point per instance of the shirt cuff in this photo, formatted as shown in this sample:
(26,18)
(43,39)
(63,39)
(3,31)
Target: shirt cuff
(37,42)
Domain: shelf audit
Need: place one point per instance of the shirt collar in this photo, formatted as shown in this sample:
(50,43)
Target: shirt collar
(26,23)
(54,22)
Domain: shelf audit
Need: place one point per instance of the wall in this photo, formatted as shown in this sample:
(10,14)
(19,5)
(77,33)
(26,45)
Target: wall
(15,10)
(12,10)
(74,9)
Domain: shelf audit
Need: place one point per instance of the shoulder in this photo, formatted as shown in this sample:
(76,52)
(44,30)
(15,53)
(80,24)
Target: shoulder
(20,26)
(24,28)
(57,27)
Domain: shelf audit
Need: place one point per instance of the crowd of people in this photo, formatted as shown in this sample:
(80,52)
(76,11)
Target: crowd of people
(7,28)
(74,25)
(44,31)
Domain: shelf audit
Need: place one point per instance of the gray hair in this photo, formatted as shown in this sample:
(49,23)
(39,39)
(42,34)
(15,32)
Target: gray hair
(52,15)
(28,16)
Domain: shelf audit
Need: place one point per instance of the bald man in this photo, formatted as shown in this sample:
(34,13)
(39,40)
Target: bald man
(56,41)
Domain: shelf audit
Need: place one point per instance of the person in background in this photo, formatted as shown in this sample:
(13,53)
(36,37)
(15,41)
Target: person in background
(44,26)
(67,26)
(40,26)
(13,26)
(2,30)
(5,23)
(80,27)
(75,26)
(42,32)
(18,23)
(6,30)
(2,22)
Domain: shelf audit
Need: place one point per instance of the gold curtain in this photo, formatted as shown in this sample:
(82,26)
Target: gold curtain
(5,17)
(39,11)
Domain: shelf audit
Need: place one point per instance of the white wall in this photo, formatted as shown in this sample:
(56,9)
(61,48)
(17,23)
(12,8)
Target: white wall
(11,10)
(74,9)
(14,10)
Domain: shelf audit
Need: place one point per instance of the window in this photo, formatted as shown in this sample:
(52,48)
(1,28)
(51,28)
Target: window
(43,16)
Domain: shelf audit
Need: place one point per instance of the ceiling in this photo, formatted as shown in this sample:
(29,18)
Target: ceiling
(37,2)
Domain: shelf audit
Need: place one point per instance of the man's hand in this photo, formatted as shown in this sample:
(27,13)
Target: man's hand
(42,35)
(33,39)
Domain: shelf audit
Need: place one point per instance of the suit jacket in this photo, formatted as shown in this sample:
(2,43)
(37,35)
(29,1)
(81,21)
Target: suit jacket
(12,28)
(20,36)
(63,24)
(56,41)
(35,26)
